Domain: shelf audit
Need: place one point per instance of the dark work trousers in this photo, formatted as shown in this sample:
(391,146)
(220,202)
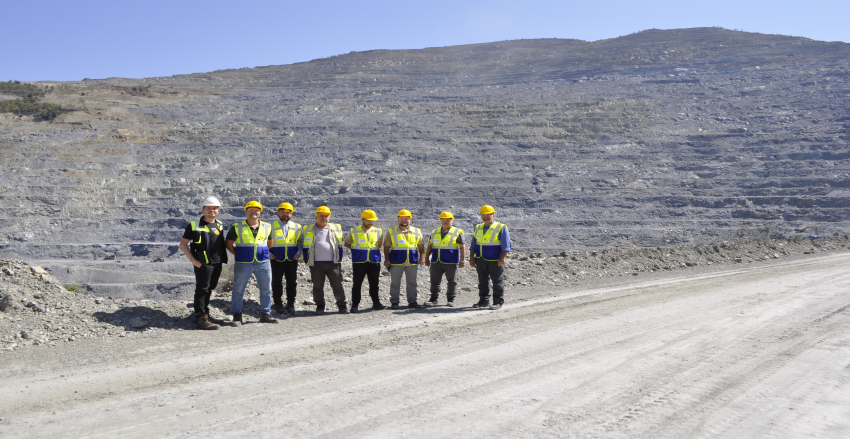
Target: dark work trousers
(318,272)
(279,270)
(361,271)
(206,279)
(487,271)
(437,269)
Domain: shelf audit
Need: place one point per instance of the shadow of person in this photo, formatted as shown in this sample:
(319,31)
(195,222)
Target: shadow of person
(140,318)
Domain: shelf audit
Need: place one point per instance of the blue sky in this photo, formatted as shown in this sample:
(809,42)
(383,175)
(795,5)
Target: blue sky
(67,40)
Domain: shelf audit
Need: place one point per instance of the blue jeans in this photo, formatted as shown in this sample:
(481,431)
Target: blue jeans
(241,274)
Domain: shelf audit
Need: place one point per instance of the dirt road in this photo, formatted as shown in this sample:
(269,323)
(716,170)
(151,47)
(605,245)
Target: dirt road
(755,352)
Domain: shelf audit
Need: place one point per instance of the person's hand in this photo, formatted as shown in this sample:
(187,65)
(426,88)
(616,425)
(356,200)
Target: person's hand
(271,256)
(501,261)
(427,263)
(462,264)
(197,263)
(387,264)
(472,263)
(295,258)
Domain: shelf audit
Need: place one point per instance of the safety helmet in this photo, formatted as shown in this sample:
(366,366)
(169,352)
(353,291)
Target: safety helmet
(487,209)
(211,201)
(369,215)
(447,214)
(286,206)
(323,210)
(254,204)
(404,212)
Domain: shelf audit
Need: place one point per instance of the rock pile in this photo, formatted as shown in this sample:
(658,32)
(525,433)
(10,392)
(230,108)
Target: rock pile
(36,309)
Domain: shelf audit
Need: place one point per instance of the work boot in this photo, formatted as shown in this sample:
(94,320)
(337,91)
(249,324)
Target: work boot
(237,319)
(496,306)
(395,306)
(482,304)
(377,306)
(215,320)
(320,311)
(279,308)
(343,309)
(413,305)
(203,323)
(355,308)
(290,307)
(450,304)
(267,318)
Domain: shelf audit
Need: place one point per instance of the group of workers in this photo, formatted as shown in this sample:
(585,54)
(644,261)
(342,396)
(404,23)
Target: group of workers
(271,252)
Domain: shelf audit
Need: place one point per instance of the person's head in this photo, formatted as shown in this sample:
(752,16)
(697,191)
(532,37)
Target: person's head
(323,216)
(284,212)
(404,216)
(253,209)
(368,218)
(446,220)
(211,208)
(488,214)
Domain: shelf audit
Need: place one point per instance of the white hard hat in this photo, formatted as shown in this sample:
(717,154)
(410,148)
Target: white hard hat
(212,201)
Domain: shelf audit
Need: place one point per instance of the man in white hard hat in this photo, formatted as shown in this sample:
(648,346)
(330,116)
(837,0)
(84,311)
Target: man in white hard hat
(203,244)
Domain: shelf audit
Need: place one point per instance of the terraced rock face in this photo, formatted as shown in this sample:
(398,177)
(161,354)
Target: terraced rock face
(660,138)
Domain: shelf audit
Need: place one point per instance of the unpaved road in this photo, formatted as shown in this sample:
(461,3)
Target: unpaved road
(761,351)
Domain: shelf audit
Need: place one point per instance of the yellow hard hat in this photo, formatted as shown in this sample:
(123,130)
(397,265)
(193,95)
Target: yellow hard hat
(286,206)
(446,214)
(487,209)
(369,215)
(323,210)
(254,204)
(404,212)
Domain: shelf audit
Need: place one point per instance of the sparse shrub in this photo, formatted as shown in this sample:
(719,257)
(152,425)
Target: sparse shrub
(31,105)
(74,288)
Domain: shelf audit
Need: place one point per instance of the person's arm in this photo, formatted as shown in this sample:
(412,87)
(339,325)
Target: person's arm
(472,251)
(506,245)
(421,248)
(462,255)
(387,252)
(184,245)
(230,247)
(428,254)
(348,240)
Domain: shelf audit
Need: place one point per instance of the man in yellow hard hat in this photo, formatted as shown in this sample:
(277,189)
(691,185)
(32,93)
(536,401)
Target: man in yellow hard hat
(322,248)
(403,249)
(203,245)
(490,246)
(365,243)
(248,241)
(283,245)
(444,255)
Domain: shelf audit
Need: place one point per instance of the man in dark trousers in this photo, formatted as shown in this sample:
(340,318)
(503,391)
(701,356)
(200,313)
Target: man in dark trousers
(491,243)
(203,245)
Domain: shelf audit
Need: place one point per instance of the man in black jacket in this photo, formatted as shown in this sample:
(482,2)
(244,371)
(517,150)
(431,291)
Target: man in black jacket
(203,244)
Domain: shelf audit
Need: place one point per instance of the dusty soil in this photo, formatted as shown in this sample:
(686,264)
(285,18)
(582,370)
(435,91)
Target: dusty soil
(748,350)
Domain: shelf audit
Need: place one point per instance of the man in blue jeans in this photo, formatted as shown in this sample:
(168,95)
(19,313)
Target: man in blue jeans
(248,241)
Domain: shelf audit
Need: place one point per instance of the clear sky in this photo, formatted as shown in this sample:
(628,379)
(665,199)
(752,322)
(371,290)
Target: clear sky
(71,40)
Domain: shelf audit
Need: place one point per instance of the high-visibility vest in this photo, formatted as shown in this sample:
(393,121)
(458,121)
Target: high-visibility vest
(250,248)
(403,248)
(284,246)
(487,244)
(445,250)
(200,246)
(308,234)
(365,245)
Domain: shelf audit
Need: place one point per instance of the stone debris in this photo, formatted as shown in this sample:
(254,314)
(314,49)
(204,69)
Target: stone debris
(37,309)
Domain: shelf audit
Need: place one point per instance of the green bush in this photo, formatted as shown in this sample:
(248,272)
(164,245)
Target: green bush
(19,89)
(74,288)
(31,105)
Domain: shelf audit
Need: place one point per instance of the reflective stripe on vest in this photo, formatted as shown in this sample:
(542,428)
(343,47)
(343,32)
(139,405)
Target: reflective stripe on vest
(284,246)
(364,245)
(195,228)
(249,248)
(488,242)
(403,248)
(307,231)
(445,250)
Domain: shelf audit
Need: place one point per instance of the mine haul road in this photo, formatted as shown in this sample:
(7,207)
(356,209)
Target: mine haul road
(758,351)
